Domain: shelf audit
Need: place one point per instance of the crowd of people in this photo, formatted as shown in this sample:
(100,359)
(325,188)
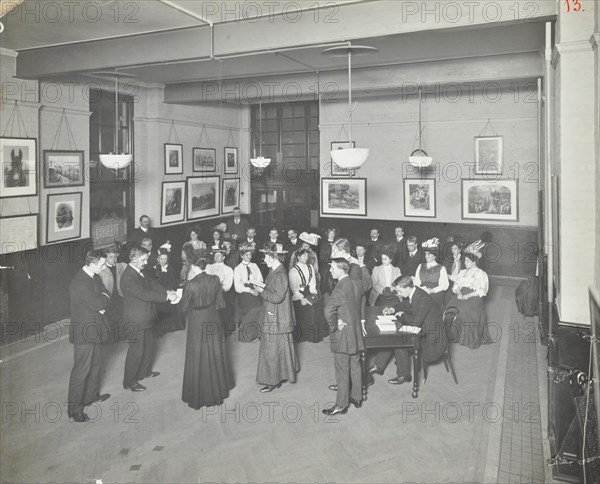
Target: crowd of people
(304,289)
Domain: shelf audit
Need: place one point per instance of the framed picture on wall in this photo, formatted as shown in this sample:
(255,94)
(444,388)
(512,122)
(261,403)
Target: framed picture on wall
(204,159)
(63,168)
(344,196)
(231,160)
(488,155)
(490,200)
(18,158)
(18,233)
(231,194)
(173,159)
(335,169)
(203,197)
(419,197)
(63,216)
(172,202)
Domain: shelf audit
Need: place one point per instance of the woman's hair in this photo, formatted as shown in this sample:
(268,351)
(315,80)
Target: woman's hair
(217,231)
(471,256)
(388,253)
(200,262)
(403,281)
(301,252)
(194,229)
(188,250)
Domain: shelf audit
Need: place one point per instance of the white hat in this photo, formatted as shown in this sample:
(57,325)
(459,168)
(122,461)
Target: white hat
(312,239)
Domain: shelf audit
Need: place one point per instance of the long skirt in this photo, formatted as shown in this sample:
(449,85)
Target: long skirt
(227,313)
(310,322)
(277,360)
(248,308)
(470,328)
(207,376)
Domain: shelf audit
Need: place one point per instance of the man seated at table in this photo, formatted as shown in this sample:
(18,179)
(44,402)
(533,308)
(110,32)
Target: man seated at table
(416,308)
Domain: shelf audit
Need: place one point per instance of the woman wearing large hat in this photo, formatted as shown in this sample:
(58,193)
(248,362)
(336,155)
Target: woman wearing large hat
(431,276)
(310,243)
(248,301)
(277,360)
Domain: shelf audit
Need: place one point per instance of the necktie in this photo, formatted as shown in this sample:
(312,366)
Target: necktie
(99,283)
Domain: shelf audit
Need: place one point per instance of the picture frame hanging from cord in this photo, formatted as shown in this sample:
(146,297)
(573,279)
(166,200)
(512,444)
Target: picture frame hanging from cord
(231,160)
(63,217)
(488,155)
(173,159)
(63,168)
(19,233)
(18,160)
(204,160)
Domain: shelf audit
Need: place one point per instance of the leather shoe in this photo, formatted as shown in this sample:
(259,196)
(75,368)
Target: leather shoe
(152,374)
(375,369)
(270,388)
(135,388)
(400,379)
(357,404)
(333,388)
(370,381)
(99,398)
(335,410)
(80,417)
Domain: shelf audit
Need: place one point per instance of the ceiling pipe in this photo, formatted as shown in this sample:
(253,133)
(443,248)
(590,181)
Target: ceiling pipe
(184,10)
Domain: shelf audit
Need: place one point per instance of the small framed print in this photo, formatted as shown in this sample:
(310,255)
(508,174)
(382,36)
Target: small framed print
(18,159)
(172,202)
(231,160)
(63,169)
(173,159)
(231,194)
(63,220)
(419,197)
(204,159)
(488,155)
(490,200)
(18,233)
(335,169)
(344,196)
(203,197)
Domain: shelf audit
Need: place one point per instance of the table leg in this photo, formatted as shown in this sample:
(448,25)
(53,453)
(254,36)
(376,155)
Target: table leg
(417,370)
(363,367)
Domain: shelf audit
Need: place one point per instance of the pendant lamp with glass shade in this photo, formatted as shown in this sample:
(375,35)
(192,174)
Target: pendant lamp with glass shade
(115,160)
(261,162)
(419,157)
(350,158)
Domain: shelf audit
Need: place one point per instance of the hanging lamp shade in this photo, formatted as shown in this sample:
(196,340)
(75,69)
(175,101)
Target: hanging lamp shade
(350,158)
(420,159)
(260,162)
(116,161)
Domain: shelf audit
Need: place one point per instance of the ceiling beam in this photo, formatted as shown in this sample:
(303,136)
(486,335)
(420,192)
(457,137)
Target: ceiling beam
(267,34)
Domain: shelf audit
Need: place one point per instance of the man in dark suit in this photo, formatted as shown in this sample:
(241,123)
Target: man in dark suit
(143,231)
(294,243)
(237,226)
(111,278)
(140,294)
(408,266)
(417,308)
(399,246)
(147,244)
(375,245)
(89,327)
(342,313)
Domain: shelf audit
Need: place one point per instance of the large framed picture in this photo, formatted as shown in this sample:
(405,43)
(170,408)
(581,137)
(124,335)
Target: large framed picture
(202,197)
(231,194)
(18,157)
(490,200)
(173,159)
(231,160)
(488,155)
(172,202)
(344,196)
(204,159)
(18,233)
(63,220)
(419,197)
(335,169)
(63,169)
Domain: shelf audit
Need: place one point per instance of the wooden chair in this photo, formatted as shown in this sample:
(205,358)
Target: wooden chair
(448,318)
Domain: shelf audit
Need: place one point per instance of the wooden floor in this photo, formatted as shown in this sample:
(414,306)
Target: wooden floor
(153,437)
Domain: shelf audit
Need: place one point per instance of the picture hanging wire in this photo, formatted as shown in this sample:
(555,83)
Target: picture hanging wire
(230,138)
(70,137)
(492,129)
(205,134)
(15,115)
(173,132)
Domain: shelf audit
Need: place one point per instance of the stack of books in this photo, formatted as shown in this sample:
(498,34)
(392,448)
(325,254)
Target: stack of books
(387,324)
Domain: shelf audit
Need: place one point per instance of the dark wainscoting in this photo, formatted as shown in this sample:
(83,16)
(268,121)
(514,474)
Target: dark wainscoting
(512,252)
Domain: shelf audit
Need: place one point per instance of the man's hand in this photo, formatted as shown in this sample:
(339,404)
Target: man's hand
(171,295)
(341,325)
(254,292)
(364,331)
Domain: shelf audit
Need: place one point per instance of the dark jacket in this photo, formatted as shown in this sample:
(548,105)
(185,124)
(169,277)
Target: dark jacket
(277,314)
(408,266)
(238,229)
(168,279)
(138,235)
(344,304)
(88,298)
(139,295)
(400,252)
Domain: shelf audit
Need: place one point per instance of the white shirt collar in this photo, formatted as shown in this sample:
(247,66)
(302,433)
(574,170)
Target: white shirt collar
(143,229)
(88,272)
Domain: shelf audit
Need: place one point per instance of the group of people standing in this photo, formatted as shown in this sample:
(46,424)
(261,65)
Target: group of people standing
(303,290)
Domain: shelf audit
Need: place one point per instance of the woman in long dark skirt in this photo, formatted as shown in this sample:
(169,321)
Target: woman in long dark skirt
(207,376)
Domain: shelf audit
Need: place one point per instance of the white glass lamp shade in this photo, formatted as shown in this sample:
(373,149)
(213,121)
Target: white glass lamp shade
(260,162)
(420,159)
(350,158)
(116,162)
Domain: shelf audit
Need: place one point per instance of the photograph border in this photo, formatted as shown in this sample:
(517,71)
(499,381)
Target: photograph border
(214,170)
(50,195)
(36,163)
(48,153)
(498,218)
(189,181)
(237,164)
(430,181)
(344,180)
(223,211)
(183,202)
(167,168)
(37,231)
(478,170)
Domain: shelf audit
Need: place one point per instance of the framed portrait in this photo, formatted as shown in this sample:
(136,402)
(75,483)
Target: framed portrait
(419,197)
(335,169)
(231,160)
(204,159)
(231,194)
(63,169)
(18,157)
(490,200)
(172,202)
(18,233)
(344,196)
(203,197)
(488,155)
(63,220)
(173,159)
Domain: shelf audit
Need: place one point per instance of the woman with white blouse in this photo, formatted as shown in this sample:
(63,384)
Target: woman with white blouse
(383,275)
(470,287)
(431,276)
(225,274)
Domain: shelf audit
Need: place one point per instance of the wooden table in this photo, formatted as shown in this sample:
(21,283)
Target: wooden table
(377,340)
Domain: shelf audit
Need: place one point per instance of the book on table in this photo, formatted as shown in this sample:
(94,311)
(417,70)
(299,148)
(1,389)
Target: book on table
(387,324)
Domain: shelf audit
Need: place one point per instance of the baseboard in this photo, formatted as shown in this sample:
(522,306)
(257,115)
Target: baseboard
(52,333)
